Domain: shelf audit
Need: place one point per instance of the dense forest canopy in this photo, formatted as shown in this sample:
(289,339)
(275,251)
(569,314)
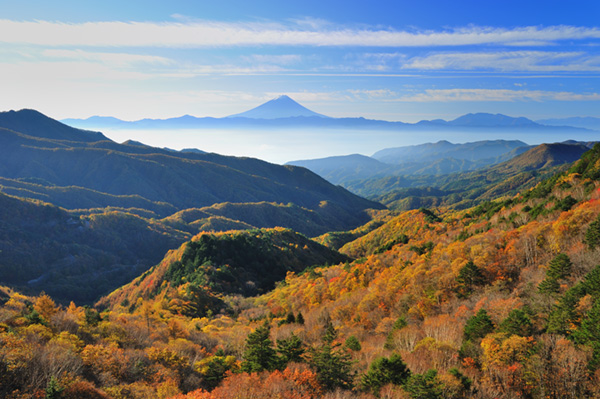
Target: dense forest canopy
(499,300)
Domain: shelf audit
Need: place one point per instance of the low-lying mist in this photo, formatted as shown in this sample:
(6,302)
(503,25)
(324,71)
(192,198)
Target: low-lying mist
(284,145)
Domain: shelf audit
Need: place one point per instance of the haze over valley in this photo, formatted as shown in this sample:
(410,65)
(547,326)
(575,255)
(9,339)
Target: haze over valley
(281,130)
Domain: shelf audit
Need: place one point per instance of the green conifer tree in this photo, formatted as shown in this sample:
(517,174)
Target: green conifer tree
(385,371)
(54,389)
(332,364)
(353,344)
(290,349)
(517,323)
(469,276)
(424,386)
(592,235)
(260,354)
(478,326)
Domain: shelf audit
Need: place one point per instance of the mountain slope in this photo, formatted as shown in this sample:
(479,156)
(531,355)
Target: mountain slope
(458,294)
(544,156)
(430,152)
(498,301)
(467,189)
(235,216)
(125,205)
(34,123)
(76,257)
(181,180)
(439,158)
(194,278)
(280,107)
(338,169)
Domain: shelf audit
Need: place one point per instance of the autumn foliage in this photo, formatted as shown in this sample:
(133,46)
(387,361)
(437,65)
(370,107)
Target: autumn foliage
(497,301)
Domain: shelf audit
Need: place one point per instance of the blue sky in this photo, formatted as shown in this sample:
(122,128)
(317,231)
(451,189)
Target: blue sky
(393,60)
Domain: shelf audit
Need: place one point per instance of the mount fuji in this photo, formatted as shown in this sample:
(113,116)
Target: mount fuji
(280,107)
(284,112)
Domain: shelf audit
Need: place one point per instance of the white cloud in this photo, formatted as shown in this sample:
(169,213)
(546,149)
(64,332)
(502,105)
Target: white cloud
(377,94)
(513,61)
(283,59)
(116,59)
(310,33)
(44,73)
(495,95)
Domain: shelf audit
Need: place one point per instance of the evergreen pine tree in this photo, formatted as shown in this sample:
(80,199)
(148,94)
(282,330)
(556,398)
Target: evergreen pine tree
(478,326)
(330,334)
(589,334)
(352,343)
(385,371)
(563,315)
(290,319)
(399,324)
(290,349)
(592,235)
(559,267)
(549,286)
(469,276)
(332,364)
(424,386)
(517,323)
(259,354)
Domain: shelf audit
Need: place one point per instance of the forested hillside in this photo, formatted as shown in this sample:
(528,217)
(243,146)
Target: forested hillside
(107,172)
(463,190)
(429,159)
(76,257)
(500,300)
(84,215)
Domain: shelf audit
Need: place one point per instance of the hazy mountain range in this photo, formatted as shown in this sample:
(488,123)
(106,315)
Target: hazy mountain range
(442,173)
(587,122)
(438,158)
(178,180)
(285,112)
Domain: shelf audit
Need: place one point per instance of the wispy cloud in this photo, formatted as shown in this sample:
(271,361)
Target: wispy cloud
(283,59)
(309,33)
(377,94)
(42,73)
(508,61)
(117,59)
(496,95)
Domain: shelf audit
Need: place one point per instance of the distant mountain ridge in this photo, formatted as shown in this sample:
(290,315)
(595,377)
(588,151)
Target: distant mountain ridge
(284,112)
(438,158)
(587,122)
(462,190)
(492,120)
(177,180)
(36,124)
(473,151)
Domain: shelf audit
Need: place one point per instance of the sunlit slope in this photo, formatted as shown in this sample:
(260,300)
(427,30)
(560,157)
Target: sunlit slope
(195,278)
